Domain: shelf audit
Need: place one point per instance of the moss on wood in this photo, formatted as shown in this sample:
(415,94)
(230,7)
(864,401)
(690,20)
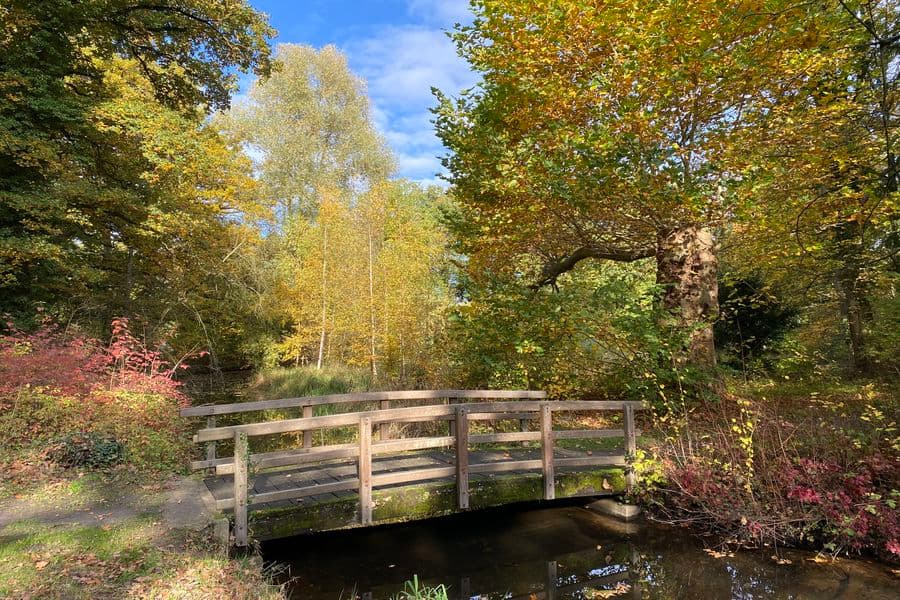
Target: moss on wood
(424,500)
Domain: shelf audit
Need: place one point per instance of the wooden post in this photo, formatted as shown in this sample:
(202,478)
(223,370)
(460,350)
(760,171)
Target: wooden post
(383,427)
(307,435)
(462,457)
(523,426)
(465,588)
(211,446)
(634,573)
(451,425)
(552,575)
(365,470)
(547,452)
(630,445)
(241,461)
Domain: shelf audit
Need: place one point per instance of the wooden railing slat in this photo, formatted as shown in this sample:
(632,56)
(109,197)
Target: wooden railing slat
(360,397)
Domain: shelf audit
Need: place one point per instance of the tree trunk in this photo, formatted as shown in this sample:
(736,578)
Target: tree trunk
(686,267)
(324,297)
(856,311)
(372,366)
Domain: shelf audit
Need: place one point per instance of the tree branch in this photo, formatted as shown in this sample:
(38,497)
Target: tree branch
(552,270)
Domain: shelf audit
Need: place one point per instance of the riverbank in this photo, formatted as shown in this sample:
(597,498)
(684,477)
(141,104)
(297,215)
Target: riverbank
(91,536)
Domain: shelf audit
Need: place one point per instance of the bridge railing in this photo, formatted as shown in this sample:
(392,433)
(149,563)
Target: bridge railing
(307,404)
(459,415)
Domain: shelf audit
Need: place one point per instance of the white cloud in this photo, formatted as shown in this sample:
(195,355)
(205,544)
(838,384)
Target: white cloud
(401,65)
(446,12)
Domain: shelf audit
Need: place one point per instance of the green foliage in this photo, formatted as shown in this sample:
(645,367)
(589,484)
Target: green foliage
(86,449)
(72,194)
(752,321)
(412,590)
(597,334)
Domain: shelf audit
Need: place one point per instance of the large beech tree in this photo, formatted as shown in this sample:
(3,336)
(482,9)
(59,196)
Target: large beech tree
(622,130)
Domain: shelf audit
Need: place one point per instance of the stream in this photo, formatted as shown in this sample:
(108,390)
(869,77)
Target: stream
(575,553)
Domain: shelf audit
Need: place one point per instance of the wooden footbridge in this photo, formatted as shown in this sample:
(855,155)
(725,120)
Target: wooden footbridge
(434,452)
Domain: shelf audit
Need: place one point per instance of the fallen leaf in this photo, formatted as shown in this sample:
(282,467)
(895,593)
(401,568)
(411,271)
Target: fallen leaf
(39,565)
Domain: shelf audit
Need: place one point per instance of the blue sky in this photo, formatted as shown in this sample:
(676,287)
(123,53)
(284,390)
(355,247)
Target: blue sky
(400,48)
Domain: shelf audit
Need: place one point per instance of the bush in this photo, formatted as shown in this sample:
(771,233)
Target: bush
(81,403)
(821,470)
(86,449)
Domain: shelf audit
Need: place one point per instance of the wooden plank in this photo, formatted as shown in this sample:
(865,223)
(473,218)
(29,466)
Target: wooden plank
(411,444)
(505,466)
(588,434)
(462,457)
(552,577)
(451,426)
(303,492)
(547,443)
(365,470)
(594,405)
(210,446)
(412,413)
(616,460)
(314,455)
(630,444)
(523,426)
(512,436)
(282,403)
(296,456)
(307,435)
(241,460)
(393,478)
(292,425)
(531,416)
(383,427)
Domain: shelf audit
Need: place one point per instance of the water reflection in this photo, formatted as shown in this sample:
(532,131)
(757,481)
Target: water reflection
(556,554)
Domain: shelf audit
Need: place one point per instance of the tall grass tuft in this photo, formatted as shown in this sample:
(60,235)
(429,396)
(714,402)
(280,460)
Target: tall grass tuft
(294,382)
(412,590)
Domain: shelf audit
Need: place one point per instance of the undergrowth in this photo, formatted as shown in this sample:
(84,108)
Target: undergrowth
(814,466)
(69,401)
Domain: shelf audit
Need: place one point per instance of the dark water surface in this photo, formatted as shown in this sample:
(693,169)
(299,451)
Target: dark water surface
(572,552)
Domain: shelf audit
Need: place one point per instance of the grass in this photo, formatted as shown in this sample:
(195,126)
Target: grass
(293,382)
(412,590)
(77,539)
(135,559)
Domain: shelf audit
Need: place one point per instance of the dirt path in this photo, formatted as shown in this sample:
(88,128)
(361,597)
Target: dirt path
(180,503)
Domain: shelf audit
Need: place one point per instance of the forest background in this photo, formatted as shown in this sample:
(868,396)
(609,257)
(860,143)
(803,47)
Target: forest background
(694,206)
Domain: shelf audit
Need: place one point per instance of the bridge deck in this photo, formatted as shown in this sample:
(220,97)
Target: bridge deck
(406,501)
(222,487)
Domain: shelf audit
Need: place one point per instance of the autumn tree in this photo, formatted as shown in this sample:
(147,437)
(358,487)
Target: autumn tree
(64,205)
(310,127)
(620,131)
(355,256)
(828,237)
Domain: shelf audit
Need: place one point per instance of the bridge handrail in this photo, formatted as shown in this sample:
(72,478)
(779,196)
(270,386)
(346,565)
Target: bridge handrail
(209,410)
(396,414)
